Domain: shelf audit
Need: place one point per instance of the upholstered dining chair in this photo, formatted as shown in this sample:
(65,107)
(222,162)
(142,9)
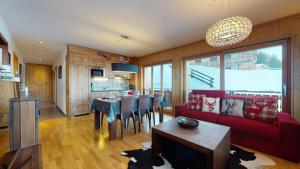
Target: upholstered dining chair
(157,108)
(127,112)
(143,109)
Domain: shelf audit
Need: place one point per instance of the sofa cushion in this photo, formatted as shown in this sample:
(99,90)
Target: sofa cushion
(195,102)
(210,104)
(251,127)
(233,107)
(261,109)
(205,116)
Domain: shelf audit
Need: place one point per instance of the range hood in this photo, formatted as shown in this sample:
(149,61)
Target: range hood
(122,67)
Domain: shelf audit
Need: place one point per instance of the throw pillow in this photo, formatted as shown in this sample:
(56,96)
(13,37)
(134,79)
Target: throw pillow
(210,104)
(261,109)
(195,97)
(234,107)
(195,101)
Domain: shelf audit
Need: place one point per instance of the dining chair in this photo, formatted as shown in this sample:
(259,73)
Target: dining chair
(143,109)
(127,112)
(157,99)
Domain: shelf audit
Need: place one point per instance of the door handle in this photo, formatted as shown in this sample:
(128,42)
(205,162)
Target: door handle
(284,89)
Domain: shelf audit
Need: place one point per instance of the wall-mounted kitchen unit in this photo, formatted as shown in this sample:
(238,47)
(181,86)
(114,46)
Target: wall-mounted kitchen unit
(87,67)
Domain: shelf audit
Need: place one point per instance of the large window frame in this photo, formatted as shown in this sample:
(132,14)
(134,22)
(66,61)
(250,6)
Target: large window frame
(286,67)
(161,79)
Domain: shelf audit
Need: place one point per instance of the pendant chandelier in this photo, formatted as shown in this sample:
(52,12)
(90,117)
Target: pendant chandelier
(229,31)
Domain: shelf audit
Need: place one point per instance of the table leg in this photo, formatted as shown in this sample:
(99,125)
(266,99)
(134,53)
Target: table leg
(159,143)
(161,116)
(112,128)
(97,120)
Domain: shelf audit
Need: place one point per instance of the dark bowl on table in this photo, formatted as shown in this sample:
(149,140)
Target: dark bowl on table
(188,123)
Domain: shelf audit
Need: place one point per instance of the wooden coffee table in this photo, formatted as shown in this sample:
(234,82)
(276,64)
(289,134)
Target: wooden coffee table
(210,139)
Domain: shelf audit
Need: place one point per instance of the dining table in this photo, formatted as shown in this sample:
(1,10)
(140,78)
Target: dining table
(111,107)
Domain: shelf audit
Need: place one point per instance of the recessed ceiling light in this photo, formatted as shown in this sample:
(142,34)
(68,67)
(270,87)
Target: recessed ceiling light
(41,42)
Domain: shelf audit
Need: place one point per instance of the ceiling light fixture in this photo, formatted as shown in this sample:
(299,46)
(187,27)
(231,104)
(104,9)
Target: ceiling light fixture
(229,31)
(123,66)
(41,42)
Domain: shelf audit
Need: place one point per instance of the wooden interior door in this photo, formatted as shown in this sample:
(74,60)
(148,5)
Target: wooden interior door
(46,83)
(38,81)
(33,79)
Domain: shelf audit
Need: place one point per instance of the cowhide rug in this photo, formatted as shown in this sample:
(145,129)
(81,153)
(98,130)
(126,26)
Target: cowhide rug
(184,158)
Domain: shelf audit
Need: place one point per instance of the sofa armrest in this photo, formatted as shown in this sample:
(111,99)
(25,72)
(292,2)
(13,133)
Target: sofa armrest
(289,137)
(180,108)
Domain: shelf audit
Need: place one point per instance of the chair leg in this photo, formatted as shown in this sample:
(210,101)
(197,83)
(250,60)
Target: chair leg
(122,127)
(149,120)
(161,116)
(133,120)
(153,118)
(102,115)
(140,119)
(127,124)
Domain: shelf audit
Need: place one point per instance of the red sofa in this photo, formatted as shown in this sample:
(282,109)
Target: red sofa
(281,140)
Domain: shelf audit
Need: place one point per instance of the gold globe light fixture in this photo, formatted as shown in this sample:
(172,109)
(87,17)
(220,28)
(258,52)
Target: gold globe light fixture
(229,31)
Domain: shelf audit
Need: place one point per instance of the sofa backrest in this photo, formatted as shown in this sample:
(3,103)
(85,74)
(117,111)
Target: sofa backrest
(211,93)
(247,97)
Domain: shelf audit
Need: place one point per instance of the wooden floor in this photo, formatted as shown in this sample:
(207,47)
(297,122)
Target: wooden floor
(49,111)
(74,144)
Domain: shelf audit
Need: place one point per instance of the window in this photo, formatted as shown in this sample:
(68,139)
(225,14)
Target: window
(158,80)
(167,84)
(203,73)
(256,70)
(148,78)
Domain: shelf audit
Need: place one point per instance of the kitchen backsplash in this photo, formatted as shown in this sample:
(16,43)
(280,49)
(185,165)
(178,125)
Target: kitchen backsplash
(109,84)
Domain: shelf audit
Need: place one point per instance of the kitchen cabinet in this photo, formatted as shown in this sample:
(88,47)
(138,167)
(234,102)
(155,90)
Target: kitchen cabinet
(7,92)
(96,61)
(79,89)
(3,117)
(78,59)
(5,55)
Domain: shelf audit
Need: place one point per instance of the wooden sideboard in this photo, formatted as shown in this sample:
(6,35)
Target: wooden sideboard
(23,122)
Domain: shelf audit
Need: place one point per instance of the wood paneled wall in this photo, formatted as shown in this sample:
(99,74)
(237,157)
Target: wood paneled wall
(288,27)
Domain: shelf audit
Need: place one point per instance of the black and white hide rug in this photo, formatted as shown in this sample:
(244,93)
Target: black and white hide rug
(181,157)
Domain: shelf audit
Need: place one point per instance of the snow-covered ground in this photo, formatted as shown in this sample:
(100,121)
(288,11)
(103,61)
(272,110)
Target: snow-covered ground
(251,80)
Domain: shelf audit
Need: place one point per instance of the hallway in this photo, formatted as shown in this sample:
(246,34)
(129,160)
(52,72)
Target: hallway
(49,111)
